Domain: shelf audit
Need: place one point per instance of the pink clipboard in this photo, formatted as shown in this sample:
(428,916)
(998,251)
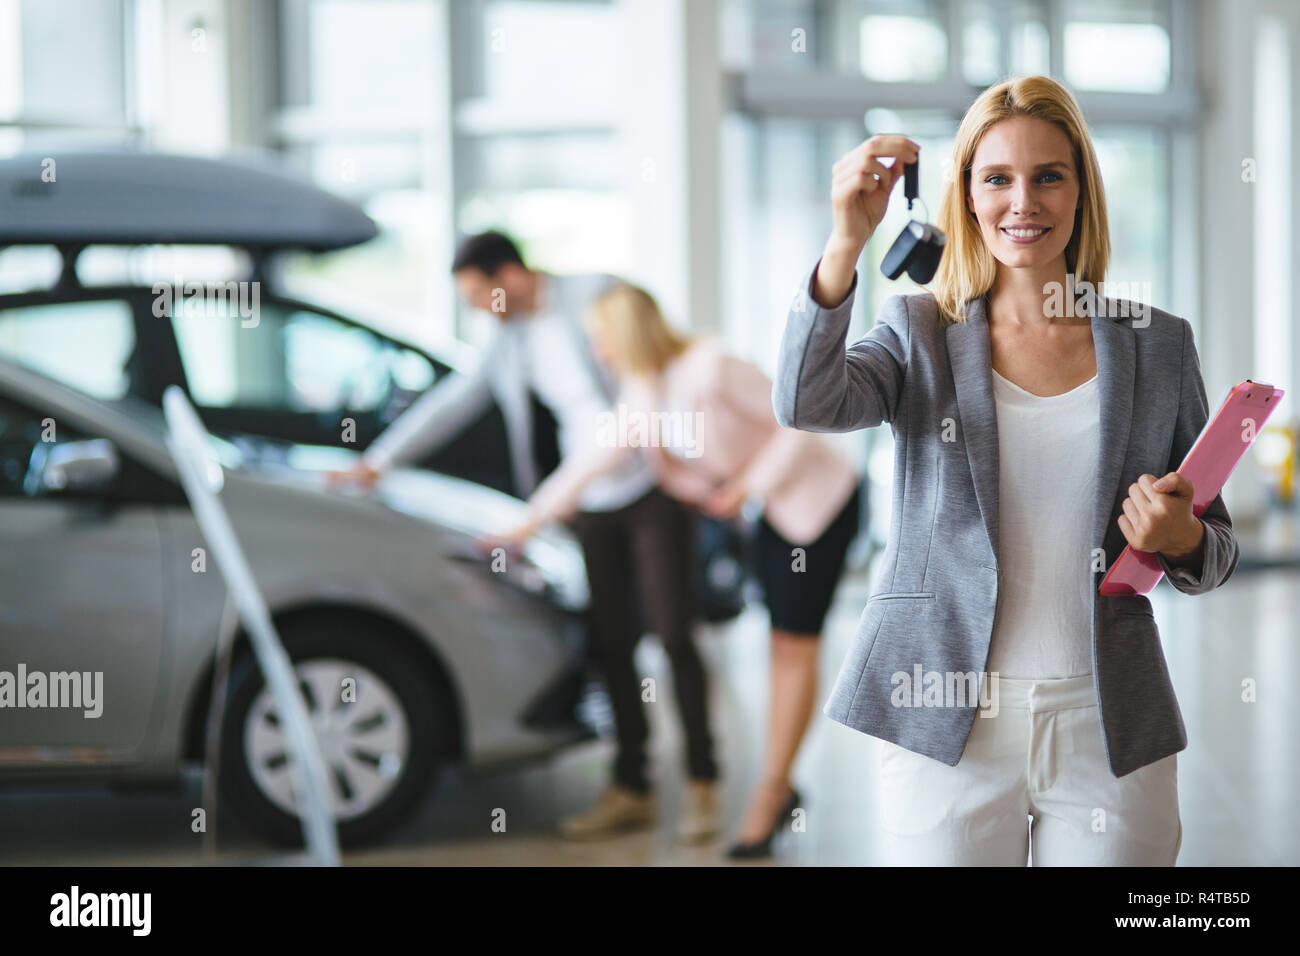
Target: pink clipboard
(1215,453)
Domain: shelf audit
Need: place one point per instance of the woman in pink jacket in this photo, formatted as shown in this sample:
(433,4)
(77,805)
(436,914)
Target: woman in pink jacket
(707,420)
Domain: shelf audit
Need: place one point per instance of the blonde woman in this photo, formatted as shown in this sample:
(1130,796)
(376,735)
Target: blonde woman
(1037,427)
(707,418)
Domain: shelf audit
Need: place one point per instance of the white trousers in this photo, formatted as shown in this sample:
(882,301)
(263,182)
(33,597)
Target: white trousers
(1032,776)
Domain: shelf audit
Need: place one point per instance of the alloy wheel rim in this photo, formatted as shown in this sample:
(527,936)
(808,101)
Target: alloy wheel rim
(361,728)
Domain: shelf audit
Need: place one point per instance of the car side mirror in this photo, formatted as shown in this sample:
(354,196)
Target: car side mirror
(72,466)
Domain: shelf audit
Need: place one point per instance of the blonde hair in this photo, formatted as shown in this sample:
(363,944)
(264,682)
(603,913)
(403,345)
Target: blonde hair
(967,269)
(642,340)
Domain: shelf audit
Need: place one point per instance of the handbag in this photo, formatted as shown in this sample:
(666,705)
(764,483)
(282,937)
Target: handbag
(721,568)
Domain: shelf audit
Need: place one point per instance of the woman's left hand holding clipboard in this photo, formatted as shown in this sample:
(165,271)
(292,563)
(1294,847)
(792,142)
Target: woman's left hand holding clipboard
(1158,517)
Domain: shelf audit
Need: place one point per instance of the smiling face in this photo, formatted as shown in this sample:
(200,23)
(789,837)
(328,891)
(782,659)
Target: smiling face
(1024,191)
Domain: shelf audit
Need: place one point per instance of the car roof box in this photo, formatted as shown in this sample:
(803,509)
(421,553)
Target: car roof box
(125,197)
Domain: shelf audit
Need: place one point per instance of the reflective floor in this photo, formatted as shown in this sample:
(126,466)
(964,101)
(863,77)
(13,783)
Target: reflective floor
(1238,779)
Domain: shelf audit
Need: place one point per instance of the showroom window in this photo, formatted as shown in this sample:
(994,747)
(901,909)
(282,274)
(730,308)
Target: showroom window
(536,150)
(994,29)
(61,85)
(86,345)
(904,41)
(432,139)
(1120,46)
(362,112)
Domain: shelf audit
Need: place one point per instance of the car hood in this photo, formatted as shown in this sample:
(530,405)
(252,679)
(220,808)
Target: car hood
(451,503)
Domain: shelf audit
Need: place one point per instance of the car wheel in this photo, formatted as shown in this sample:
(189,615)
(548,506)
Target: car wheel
(375,715)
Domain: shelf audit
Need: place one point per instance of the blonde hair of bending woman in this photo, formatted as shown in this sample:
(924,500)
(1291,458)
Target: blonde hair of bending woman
(629,319)
(968,268)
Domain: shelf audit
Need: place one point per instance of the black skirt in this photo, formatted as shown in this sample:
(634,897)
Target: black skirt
(798,587)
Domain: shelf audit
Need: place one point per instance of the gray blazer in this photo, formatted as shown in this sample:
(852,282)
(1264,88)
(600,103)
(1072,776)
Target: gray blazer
(939,588)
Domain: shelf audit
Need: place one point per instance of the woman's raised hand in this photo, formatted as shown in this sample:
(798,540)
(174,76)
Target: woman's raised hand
(860,188)
(861,184)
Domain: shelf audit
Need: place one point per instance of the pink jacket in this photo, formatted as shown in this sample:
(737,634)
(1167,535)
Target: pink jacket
(709,421)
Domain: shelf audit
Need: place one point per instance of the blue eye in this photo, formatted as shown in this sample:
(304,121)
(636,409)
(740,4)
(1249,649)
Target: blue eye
(990,179)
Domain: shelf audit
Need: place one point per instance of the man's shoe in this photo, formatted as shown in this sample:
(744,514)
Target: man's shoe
(618,809)
(700,817)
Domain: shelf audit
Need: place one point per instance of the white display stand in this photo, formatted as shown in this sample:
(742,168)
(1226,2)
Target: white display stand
(202,478)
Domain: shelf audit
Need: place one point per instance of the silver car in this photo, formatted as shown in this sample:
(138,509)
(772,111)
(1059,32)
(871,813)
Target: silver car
(105,577)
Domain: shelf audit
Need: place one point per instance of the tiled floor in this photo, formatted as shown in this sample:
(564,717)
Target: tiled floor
(1239,778)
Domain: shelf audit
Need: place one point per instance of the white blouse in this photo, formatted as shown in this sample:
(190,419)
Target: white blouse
(1048,450)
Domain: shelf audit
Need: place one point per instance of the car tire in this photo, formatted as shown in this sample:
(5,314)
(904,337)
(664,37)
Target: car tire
(394,701)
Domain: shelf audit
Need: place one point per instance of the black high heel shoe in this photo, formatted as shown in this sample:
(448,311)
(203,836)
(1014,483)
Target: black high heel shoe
(763,848)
